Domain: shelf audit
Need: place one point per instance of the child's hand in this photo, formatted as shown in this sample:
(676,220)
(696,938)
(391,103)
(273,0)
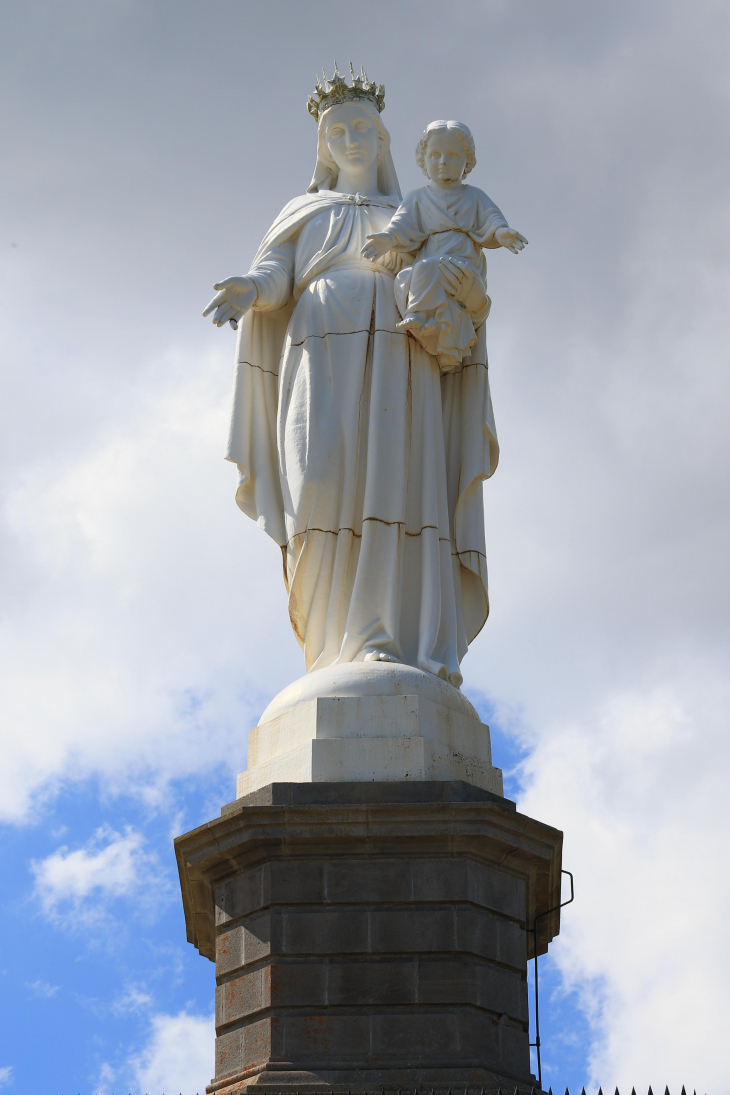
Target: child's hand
(510,239)
(379,243)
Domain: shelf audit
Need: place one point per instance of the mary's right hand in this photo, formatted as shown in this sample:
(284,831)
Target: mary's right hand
(235,297)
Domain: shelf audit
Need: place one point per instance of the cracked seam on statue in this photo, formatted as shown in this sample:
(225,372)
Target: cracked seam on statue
(362,331)
(261,369)
(358,535)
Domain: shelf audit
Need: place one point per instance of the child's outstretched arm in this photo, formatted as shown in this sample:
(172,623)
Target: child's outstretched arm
(511,239)
(379,243)
(403,234)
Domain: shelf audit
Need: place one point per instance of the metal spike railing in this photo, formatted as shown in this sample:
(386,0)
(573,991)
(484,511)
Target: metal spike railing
(616,1091)
(469,1089)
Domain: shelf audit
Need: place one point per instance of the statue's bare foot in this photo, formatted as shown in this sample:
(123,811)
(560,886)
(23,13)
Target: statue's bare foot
(380,656)
(410,322)
(447,363)
(453,678)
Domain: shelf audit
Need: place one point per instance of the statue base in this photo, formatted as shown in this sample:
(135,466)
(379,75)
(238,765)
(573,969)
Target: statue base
(370,934)
(364,721)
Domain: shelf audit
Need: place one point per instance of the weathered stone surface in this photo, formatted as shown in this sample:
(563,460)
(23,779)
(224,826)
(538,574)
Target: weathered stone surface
(362,722)
(366,794)
(369,940)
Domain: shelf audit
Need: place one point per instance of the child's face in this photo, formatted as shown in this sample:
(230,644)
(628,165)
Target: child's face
(445,159)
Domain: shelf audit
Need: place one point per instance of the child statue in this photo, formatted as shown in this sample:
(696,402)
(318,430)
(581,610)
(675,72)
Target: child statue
(446,222)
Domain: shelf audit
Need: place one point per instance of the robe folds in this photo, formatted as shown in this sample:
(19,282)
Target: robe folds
(355,454)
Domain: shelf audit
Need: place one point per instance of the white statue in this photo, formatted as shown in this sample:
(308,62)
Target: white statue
(445,219)
(356,454)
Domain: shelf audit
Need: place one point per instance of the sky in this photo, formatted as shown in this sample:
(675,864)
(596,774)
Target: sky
(143,625)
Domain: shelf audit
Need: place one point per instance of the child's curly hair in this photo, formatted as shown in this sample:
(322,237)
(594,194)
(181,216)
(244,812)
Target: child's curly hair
(460,129)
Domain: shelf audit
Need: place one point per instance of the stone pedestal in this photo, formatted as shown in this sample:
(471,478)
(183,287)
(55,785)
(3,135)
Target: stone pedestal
(370,934)
(366,721)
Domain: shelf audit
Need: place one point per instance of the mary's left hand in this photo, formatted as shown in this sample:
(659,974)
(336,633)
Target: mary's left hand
(462,281)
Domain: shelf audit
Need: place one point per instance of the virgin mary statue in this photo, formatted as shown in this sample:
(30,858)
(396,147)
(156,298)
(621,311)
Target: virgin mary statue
(355,454)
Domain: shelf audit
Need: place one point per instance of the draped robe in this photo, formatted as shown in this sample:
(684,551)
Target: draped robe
(355,454)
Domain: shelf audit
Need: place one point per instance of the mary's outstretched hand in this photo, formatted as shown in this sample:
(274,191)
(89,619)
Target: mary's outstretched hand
(234,298)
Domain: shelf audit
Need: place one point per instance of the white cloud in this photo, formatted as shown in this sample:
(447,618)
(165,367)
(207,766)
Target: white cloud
(6,1075)
(638,793)
(76,887)
(106,1079)
(178,1055)
(42,988)
(129,637)
(133,999)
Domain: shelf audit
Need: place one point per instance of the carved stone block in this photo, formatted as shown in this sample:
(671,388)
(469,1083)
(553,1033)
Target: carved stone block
(369,934)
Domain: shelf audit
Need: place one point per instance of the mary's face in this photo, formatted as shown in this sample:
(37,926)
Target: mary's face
(352,137)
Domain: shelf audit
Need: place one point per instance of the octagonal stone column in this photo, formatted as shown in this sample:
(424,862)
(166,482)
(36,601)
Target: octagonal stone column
(370,934)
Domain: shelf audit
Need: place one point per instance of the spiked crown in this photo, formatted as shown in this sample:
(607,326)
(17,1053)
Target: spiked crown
(336,90)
